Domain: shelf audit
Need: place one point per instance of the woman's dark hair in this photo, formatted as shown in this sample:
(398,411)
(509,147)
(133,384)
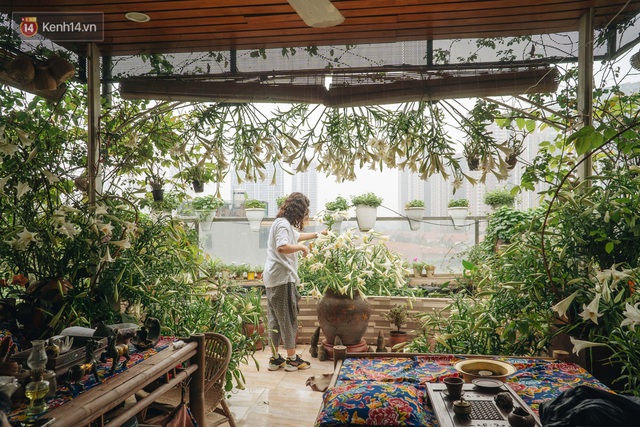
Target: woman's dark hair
(295,209)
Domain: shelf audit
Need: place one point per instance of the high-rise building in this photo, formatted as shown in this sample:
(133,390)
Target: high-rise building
(307,184)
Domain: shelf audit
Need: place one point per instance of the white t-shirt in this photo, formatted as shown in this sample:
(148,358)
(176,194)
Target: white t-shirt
(281,268)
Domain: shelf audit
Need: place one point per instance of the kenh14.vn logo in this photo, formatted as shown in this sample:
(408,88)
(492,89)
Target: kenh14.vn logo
(29,26)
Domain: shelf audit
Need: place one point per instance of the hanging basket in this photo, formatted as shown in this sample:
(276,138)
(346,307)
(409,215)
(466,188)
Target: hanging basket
(21,70)
(198,186)
(43,79)
(61,69)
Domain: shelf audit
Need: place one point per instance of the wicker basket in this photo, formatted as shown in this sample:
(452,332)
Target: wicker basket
(61,69)
(21,70)
(44,80)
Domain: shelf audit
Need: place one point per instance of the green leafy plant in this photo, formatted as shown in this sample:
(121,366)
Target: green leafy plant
(207,203)
(398,315)
(458,203)
(367,199)
(280,200)
(255,204)
(418,203)
(499,197)
(339,204)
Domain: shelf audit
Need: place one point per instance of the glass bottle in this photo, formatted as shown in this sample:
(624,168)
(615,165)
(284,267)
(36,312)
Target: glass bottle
(37,360)
(36,391)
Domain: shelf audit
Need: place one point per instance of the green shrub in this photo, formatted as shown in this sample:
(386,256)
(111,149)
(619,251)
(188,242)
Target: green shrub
(414,204)
(367,199)
(339,204)
(254,204)
(458,203)
(207,203)
(499,197)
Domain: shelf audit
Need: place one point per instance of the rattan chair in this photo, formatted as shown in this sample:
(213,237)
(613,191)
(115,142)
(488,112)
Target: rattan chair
(217,356)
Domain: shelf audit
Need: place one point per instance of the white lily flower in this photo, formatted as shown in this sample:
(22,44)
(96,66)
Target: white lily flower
(124,244)
(8,149)
(105,228)
(24,138)
(3,183)
(107,256)
(579,345)
(590,312)
(23,188)
(315,293)
(25,237)
(562,307)
(50,177)
(101,210)
(67,229)
(632,316)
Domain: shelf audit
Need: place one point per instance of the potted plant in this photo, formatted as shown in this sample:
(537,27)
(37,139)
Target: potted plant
(156,182)
(255,211)
(280,200)
(417,266)
(458,209)
(366,210)
(499,197)
(206,207)
(250,312)
(414,211)
(341,270)
(397,316)
(336,212)
(429,270)
(198,174)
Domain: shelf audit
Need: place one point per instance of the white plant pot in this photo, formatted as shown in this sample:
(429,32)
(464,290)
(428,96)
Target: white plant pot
(205,218)
(336,226)
(255,216)
(458,216)
(414,215)
(366,217)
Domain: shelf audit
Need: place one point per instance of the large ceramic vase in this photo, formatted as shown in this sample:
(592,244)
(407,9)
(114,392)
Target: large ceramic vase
(340,315)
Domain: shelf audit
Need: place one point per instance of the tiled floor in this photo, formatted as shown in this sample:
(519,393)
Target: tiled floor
(278,399)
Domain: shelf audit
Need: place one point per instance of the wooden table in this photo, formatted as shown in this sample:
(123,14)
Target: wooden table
(91,406)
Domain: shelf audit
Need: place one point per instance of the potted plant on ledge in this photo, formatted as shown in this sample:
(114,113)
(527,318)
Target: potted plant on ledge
(397,316)
(206,208)
(336,212)
(366,210)
(255,212)
(499,197)
(414,211)
(458,209)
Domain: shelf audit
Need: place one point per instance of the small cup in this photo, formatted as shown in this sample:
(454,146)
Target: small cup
(454,386)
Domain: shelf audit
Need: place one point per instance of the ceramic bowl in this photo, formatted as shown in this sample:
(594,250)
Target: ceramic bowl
(484,368)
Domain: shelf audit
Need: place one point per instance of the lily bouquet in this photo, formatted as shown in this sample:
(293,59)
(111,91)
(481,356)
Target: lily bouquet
(352,263)
(603,311)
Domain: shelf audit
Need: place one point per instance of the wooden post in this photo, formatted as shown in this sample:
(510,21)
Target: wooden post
(93,122)
(196,386)
(585,82)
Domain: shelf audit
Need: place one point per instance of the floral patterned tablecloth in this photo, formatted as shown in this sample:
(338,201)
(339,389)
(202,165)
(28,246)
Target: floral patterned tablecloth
(391,391)
(66,393)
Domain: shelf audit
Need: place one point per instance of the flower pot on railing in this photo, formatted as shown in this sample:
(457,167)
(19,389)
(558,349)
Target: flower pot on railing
(255,216)
(458,216)
(366,217)
(205,218)
(415,215)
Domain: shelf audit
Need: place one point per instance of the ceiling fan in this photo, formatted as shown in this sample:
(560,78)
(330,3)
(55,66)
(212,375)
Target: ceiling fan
(317,13)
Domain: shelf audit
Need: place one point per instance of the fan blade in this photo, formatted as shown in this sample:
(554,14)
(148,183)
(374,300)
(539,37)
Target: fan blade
(317,13)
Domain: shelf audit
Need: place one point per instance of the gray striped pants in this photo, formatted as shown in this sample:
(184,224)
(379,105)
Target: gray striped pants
(282,310)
